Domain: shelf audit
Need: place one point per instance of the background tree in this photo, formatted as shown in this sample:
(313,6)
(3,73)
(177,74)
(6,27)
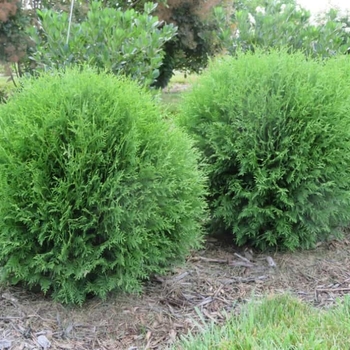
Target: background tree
(122,42)
(196,39)
(244,25)
(188,50)
(266,24)
(13,39)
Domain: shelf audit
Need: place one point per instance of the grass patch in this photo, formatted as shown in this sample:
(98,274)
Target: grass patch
(279,322)
(172,94)
(4,81)
(182,78)
(170,101)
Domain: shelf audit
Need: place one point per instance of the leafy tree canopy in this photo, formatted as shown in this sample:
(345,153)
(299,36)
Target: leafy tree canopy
(266,24)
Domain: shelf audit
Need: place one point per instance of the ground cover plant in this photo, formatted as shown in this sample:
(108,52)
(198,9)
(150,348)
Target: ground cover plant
(274,132)
(97,191)
(277,322)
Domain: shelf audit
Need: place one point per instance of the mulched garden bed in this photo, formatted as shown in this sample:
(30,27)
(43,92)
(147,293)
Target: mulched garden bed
(212,285)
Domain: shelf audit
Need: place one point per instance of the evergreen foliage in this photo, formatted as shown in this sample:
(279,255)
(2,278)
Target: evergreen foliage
(97,191)
(274,131)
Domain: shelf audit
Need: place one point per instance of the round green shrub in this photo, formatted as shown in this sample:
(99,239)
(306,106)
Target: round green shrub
(97,191)
(274,130)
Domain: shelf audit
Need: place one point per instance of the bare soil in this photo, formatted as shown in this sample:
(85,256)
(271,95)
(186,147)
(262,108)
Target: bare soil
(212,285)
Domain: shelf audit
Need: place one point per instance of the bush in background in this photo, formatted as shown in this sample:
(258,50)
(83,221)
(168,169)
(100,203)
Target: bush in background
(274,131)
(97,191)
(188,51)
(258,24)
(13,39)
(122,42)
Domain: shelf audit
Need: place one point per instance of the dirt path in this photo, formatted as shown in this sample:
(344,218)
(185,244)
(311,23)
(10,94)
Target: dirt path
(212,284)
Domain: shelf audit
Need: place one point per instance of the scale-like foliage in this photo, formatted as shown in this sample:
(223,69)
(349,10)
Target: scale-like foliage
(274,130)
(97,191)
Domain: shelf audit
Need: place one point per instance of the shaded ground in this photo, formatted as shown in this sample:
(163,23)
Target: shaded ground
(212,284)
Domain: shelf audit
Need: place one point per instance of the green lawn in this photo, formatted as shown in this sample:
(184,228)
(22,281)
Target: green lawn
(279,322)
(3,81)
(170,101)
(171,95)
(181,78)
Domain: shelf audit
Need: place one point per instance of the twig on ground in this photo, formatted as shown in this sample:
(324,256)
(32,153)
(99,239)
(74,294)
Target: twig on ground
(9,318)
(205,301)
(243,258)
(244,279)
(179,277)
(240,264)
(224,261)
(202,258)
(327,290)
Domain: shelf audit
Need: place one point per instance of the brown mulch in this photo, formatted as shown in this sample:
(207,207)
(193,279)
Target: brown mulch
(212,285)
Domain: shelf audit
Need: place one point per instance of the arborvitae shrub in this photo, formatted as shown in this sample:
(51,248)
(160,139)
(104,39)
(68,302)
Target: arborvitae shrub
(97,191)
(274,132)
